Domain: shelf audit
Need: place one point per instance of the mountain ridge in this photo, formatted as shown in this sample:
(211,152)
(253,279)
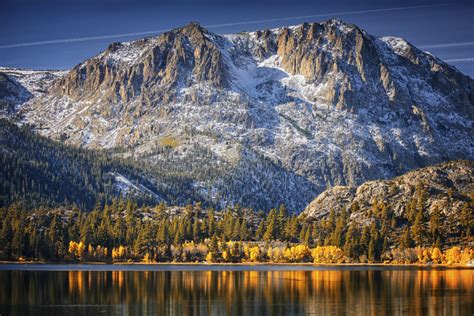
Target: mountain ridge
(319,104)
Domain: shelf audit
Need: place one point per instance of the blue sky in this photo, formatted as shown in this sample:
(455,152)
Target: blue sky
(446,30)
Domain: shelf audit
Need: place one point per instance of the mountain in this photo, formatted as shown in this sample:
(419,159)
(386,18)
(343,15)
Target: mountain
(37,171)
(266,117)
(444,191)
(17,86)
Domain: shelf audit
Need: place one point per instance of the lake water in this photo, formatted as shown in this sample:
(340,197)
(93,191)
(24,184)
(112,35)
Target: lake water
(233,290)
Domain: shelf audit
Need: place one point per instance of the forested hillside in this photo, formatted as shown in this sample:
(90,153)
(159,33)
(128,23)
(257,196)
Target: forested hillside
(38,171)
(423,216)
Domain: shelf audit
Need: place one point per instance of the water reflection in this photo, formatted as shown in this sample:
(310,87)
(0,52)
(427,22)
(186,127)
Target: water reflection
(379,292)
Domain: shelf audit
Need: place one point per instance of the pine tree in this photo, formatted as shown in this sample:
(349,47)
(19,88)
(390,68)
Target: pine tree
(204,229)
(211,223)
(214,246)
(244,232)
(260,230)
(6,234)
(374,244)
(270,231)
(235,252)
(337,238)
(411,211)
(406,241)
(467,219)
(228,226)
(271,223)
(365,239)
(18,237)
(351,242)
(130,222)
(315,233)
(162,235)
(236,230)
(281,221)
(196,230)
(417,229)
(141,245)
(56,238)
(435,225)
(307,236)
(119,231)
(179,234)
(331,222)
(291,229)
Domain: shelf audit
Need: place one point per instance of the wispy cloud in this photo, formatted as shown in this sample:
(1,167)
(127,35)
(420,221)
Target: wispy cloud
(459,60)
(82,39)
(445,45)
(325,15)
(281,19)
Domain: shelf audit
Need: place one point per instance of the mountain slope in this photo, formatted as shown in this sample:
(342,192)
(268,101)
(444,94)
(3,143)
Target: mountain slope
(446,189)
(17,86)
(277,115)
(37,171)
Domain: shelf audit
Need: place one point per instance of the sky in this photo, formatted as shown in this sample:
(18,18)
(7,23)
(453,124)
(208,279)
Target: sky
(58,34)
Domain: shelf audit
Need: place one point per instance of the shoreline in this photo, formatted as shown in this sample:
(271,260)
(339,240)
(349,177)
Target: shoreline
(238,264)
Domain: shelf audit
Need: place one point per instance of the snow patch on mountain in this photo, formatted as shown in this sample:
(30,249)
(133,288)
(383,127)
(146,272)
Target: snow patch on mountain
(269,116)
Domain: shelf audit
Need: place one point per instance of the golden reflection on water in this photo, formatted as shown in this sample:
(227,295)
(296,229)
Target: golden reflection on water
(321,292)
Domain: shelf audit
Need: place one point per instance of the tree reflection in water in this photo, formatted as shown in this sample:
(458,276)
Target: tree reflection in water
(321,292)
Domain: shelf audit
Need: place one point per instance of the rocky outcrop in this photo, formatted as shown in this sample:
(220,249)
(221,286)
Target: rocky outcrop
(151,70)
(445,187)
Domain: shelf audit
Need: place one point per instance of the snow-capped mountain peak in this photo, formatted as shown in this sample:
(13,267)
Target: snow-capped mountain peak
(268,116)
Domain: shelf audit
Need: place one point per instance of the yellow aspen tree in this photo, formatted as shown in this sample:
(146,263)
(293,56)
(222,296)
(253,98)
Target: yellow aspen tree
(466,256)
(436,255)
(225,256)
(147,258)
(254,254)
(453,255)
(90,251)
(72,247)
(80,249)
(121,251)
(209,257)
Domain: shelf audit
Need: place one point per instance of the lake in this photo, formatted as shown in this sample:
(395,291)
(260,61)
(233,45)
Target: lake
(234,290)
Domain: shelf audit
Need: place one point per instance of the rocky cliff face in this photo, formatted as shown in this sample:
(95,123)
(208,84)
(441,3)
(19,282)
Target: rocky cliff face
(266,117)
(150,70)
(446,187)
(17,86)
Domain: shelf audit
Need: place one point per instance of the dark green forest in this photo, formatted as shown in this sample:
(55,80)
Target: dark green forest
(37,171)
(123,231)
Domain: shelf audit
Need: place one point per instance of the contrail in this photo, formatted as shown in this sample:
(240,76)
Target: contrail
(92,38)
(460,60)
(447,45)
(326,14)
(81,39)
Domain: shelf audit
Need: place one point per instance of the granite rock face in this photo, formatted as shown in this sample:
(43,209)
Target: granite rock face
(266,117)
(447,187)
(155,69)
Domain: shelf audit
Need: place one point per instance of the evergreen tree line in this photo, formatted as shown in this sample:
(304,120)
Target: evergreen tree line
(123,231)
